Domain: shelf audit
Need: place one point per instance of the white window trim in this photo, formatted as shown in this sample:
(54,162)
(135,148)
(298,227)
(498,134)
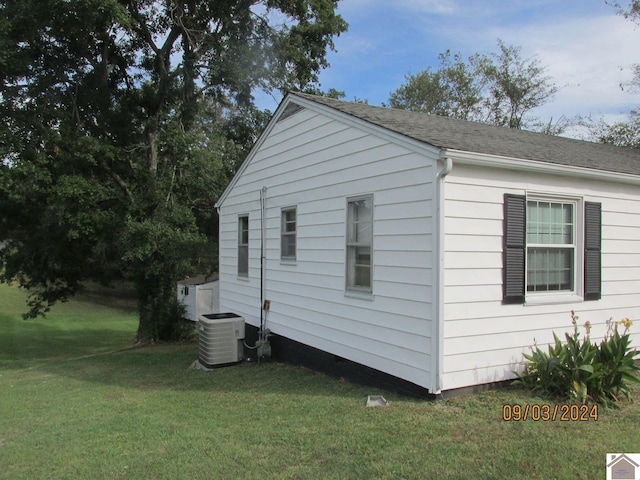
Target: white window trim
(243,276)
(557,297)
(365,293)
(288,260)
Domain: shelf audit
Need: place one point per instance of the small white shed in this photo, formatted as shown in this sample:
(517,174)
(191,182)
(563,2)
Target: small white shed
(200,295)
(431,249)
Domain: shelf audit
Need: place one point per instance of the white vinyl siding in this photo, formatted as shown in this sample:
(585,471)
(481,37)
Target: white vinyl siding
(484,339)
(317,163)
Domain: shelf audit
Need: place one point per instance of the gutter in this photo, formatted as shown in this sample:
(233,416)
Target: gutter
(547,168)
(437,351)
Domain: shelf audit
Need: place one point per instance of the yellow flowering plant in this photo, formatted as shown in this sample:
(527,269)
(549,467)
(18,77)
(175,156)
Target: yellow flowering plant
(580,369)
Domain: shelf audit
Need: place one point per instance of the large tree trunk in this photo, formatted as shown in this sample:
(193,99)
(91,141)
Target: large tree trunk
(160,315)
(151,137)
(148,330)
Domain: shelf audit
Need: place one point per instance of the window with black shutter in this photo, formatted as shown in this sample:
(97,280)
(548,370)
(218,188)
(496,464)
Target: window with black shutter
(542,248)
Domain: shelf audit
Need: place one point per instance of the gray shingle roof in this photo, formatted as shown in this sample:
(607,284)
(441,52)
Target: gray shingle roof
(444,132)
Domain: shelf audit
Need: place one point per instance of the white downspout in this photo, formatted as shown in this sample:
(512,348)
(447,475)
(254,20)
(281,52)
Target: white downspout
(438,333)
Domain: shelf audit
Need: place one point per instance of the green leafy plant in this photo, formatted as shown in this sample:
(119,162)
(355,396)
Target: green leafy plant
(581,370)
(173,325)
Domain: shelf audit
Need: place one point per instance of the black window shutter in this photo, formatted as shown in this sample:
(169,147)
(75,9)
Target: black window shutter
(514,248)
(592,251)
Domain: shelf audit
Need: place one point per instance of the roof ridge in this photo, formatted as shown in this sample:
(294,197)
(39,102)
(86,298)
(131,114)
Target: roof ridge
(478,137)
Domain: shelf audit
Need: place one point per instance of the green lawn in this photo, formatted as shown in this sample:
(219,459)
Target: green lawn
(76,403)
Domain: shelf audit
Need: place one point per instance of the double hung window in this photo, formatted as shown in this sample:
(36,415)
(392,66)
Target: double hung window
(551,246)
(288,231)
(243,246)
(359,243)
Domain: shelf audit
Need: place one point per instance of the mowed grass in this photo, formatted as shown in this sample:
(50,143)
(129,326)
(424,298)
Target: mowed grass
(76,402)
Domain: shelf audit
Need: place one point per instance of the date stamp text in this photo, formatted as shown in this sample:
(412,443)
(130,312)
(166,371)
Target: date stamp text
(548,412)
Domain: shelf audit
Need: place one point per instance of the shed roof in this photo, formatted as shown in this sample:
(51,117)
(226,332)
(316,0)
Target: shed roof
(451,133)
(200,279)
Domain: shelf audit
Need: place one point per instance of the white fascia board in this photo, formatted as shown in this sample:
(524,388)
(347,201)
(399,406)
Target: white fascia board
(519,164)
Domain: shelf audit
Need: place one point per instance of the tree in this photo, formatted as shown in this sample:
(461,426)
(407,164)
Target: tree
(454,90)
(514,86)
(500,88)
(621,134)
(625,133)
(122,120)
(631,12)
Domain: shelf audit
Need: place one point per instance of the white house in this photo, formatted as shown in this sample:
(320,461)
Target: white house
(431,249)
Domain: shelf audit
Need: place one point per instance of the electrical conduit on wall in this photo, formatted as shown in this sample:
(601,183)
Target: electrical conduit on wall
(263,199)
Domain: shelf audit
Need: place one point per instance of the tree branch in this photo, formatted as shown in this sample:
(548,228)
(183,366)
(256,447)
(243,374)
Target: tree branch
(121,183)
(142,26)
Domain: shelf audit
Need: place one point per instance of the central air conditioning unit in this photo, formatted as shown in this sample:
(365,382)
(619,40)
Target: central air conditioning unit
(220,339)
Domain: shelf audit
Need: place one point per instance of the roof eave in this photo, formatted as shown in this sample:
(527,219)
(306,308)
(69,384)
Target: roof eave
(520,164)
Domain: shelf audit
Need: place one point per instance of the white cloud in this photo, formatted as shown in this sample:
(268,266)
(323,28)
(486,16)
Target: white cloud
(588,58)
(587,48)
(428,6)
(349,8)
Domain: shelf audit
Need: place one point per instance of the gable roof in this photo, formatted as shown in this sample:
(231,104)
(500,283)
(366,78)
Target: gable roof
(463,135)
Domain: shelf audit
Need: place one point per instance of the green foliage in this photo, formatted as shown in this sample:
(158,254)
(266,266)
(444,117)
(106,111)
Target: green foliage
(122,122)
(454,90)
(515,86)
(581,370)
(169,323)
(624,133)
(630,12)
(621,134)
(499,89)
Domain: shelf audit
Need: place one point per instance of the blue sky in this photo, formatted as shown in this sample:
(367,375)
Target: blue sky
(585,45)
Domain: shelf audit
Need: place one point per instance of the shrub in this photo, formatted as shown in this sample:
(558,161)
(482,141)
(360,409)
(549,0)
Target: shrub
(581,370)
(172,324)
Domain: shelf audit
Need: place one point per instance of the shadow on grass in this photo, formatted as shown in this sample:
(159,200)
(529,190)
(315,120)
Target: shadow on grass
(89,339)
(120,296)
(105,356)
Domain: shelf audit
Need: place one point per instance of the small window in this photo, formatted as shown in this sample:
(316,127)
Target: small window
(359,243)
(288,234)
(243,246)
